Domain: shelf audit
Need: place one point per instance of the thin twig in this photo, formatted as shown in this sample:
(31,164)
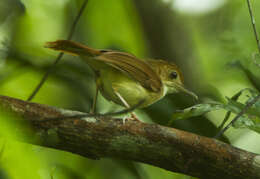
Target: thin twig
(244,110)
(235,98)
(248,105)
(253,24)
(72,30)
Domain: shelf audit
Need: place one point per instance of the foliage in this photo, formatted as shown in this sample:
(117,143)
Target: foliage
(216,51)
(250,119)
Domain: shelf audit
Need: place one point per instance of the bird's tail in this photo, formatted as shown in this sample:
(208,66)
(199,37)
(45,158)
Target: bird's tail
(72,48)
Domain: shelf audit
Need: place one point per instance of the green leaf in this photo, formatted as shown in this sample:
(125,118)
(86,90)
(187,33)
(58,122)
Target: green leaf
(197,110)
(250,119)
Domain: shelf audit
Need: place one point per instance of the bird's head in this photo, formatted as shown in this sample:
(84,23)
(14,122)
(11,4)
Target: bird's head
(171,76)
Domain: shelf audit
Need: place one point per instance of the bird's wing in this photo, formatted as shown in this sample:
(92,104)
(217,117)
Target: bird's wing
(133,67)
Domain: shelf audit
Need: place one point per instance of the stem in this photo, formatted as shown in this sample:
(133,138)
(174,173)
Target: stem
(257,97)
(46,75)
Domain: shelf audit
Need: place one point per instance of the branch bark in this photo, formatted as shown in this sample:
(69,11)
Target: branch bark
(164,147)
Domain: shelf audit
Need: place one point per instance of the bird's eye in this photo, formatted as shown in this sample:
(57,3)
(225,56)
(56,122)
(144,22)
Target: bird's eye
(173,75)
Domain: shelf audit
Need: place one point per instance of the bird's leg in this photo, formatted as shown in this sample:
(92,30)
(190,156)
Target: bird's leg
(133,116)
(93,107)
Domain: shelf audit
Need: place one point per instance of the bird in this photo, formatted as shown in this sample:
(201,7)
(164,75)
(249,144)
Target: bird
(124,78)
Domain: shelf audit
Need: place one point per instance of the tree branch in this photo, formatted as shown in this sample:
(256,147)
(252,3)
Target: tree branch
(164,147)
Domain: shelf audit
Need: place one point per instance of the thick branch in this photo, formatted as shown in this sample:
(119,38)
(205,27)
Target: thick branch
(164,147)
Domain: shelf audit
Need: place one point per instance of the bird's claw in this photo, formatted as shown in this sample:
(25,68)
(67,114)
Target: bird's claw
(133,117)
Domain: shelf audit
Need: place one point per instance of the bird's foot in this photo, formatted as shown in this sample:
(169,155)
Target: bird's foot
(132,117)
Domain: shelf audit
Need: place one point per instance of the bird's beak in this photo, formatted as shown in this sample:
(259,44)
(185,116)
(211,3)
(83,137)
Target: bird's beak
(185,90)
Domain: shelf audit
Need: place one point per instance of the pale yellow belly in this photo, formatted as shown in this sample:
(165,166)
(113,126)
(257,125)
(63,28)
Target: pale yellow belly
(131,91)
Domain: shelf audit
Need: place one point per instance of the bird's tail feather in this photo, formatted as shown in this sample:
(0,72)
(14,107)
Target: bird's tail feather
(72,48)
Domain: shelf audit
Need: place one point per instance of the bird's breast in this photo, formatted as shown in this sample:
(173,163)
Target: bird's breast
(111,82)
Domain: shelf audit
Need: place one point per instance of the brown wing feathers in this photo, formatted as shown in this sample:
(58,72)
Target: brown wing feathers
(134,67)
(127,63)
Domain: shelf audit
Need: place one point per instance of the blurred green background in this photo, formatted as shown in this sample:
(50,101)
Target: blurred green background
(211,40)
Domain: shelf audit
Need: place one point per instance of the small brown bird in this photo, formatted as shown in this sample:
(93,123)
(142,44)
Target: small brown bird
(125,79)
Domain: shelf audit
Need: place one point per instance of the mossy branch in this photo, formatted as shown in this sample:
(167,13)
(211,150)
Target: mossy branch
(164,147)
